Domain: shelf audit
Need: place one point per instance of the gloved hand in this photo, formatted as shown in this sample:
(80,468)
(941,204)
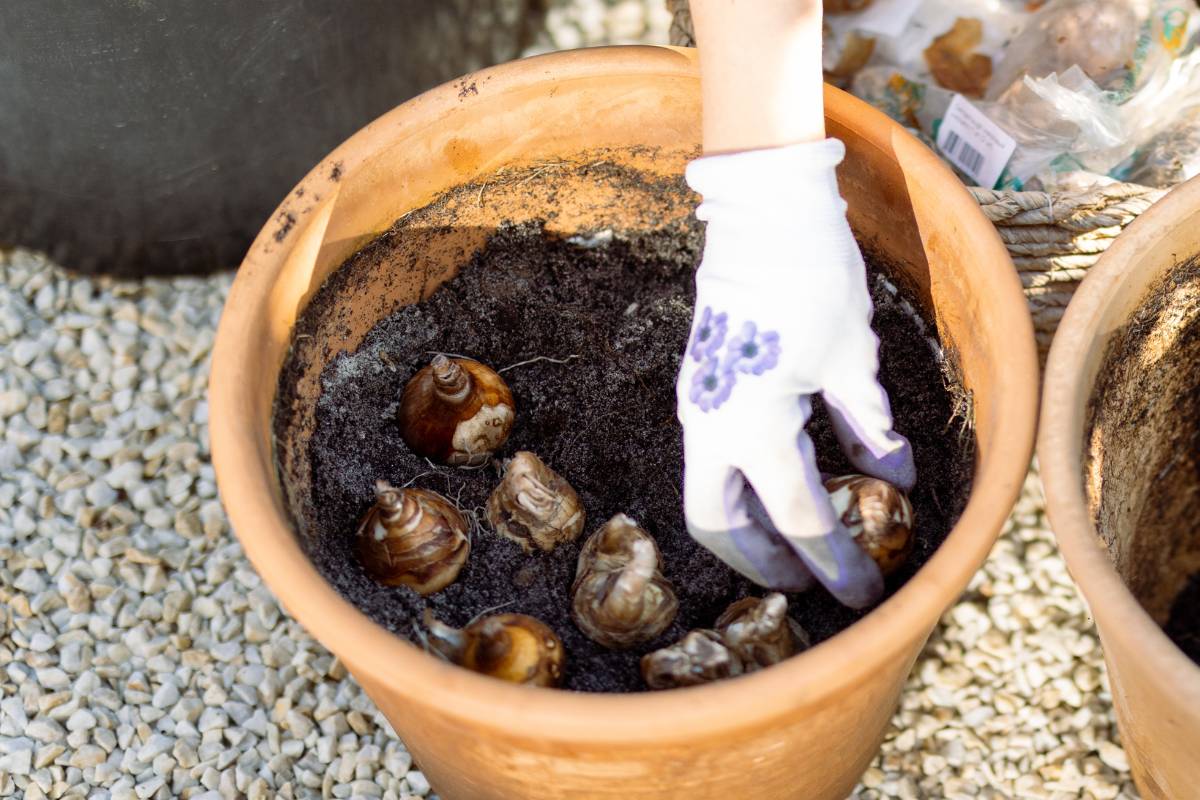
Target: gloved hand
(782,313)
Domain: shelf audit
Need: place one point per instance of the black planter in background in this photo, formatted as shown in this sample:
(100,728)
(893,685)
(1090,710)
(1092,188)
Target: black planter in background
(156,136)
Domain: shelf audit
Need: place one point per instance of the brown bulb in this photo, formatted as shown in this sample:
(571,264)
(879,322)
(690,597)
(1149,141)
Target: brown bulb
(456,411)
(534,506)
(760,631)
(620,598)
(700,657)
(511,647)
(414,538)
(877,515)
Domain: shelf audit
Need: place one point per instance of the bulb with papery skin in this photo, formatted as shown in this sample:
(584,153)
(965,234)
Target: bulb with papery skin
(534,506)
(700,657)
(414,538)
(752,634)
(760,631)
(511,647)
(456,411)
(877,515)
(620,599)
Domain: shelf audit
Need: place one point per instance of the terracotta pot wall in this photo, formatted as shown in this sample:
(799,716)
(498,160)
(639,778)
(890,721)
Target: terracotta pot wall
(804,729)
(1118,456)
(1142,431)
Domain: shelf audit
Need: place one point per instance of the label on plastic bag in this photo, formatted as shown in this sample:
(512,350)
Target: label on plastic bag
(886,17)
(973,143)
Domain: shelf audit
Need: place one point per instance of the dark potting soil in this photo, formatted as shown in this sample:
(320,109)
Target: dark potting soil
(1183,626)
(618,314)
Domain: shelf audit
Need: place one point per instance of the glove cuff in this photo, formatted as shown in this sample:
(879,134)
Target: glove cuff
(790,181)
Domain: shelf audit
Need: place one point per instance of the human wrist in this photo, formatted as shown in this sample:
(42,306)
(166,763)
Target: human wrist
(761,72)
(782,187)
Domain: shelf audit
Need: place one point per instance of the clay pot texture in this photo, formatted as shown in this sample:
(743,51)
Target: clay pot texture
(804,729)
(1114,452)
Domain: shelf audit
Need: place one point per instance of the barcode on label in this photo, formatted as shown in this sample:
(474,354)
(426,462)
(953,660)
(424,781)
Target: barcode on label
(973,143)
(965,157)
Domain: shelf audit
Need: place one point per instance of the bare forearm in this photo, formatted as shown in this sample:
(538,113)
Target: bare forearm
(760,67)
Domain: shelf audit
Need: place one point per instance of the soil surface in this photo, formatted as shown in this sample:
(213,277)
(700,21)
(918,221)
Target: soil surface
(618,311)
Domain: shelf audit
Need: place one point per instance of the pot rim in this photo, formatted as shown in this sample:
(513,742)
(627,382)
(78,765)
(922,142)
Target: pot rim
(1060,445)
(377,655)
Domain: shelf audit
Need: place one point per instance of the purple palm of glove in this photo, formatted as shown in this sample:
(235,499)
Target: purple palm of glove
(783,313)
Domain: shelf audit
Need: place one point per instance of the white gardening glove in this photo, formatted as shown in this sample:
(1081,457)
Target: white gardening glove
(782,313)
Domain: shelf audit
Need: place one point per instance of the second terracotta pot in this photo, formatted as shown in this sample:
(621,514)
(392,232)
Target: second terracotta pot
(1119,457)
(804,729)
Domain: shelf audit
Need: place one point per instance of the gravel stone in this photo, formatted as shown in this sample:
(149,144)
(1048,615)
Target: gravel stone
(40,642)
(89,755)
(166,696)
(156,745)
(81,720)
(213,719)
(46,755)
(17,763)
(24,352)
(149,788)
(1113,756)
(45,729)
(30,581)
(417,784)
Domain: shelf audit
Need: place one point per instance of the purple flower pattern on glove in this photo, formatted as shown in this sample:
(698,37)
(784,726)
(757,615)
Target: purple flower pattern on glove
(751,351)
(711,385)
(710,334)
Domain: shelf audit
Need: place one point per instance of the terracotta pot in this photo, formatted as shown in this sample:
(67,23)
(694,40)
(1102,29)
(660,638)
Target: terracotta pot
(805,729)
(1119,489)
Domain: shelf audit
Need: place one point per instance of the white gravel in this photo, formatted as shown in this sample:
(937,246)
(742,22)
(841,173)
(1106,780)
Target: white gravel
(142,657)
(1010,698)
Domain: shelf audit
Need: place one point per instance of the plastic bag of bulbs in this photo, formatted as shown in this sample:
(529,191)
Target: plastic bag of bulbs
(1088,83)
(1170,157)
(948,43)
(1082,87)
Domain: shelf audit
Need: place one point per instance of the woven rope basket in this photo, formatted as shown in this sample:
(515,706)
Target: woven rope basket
(1054,238)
